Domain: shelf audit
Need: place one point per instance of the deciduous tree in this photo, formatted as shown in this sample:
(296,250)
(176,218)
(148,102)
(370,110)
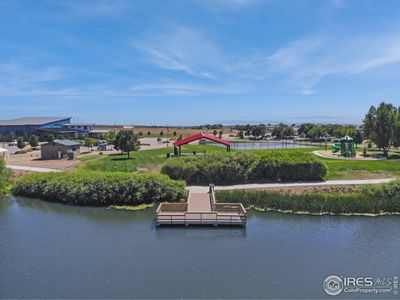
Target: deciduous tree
(34,141)
(380,124)
(126,141)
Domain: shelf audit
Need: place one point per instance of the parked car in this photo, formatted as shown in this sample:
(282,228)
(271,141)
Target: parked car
(102,147)
(13,143)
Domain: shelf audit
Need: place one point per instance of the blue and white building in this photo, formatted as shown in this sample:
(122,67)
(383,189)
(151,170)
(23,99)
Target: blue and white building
(25,127)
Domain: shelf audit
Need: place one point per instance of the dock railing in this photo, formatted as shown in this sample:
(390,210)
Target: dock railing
(220,214)
(224,214)
(201,218)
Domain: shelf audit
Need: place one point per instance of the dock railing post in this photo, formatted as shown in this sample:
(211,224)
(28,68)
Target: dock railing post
(212,196)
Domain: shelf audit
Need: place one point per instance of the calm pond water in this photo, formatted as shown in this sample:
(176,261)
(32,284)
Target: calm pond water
(55,251)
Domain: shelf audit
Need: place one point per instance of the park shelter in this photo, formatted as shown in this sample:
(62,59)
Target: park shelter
(199,136)
(3,152)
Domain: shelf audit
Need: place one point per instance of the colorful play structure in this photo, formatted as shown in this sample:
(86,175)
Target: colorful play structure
(346,147)
(199,136)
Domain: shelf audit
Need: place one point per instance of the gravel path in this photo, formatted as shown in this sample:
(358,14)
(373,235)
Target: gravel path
(32,169)
(203,189)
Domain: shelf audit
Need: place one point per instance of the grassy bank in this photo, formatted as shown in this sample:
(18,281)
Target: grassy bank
(375,200)
(150,161)
(144,161)
(99,188)
(360,169)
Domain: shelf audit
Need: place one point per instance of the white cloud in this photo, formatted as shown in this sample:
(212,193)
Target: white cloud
(183,49)
(13,72)
(305,62)
(187,88)
(98,8)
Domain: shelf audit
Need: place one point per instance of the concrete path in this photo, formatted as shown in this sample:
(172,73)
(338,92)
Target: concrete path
(204,189)
(32,169)
(199,201)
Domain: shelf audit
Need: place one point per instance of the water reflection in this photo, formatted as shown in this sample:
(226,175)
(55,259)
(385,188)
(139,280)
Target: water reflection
(5,202)
(50,250)
(102,214)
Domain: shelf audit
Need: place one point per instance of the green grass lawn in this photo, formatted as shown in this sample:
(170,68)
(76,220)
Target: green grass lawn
(151,161)
(350,169)
(141,161)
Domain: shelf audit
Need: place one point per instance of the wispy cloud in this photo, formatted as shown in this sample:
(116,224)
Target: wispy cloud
(231,3)
(185,88)
(183,49)
(307,61)
(96,8)
(15,73)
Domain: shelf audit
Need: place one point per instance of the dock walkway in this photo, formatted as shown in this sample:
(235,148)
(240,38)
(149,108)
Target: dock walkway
(199,202)
(201,208)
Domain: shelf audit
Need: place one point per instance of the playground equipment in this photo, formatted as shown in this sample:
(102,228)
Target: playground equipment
(336,148)
(346,147)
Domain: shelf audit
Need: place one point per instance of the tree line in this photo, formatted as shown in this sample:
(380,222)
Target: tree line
(382,126)
(314,132)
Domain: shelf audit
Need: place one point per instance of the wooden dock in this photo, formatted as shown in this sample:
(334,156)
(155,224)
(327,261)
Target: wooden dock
(201,209)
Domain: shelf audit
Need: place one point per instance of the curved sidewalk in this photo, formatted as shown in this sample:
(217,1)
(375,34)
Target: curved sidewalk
(292,184)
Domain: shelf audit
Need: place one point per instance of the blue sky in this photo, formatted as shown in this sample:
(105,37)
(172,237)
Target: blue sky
(194,62)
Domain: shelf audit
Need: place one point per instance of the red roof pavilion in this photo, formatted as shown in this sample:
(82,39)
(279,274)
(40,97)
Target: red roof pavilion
(199,136)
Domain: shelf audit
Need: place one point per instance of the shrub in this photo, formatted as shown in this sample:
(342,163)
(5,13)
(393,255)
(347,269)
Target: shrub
(20,143)
(98,188)
(89,142)
(211,168)
(374,200)
(242,167)
(288,167)
(4,175)
(34,141)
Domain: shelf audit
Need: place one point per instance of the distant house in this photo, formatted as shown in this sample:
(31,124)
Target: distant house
(80,126)
(98,133)
(59,149)
(58,133)
(25,127)
(87,130)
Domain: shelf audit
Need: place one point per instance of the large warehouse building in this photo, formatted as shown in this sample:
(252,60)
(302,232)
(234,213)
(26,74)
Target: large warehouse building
(25,127)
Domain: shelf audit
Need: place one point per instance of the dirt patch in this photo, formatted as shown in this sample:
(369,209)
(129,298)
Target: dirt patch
(33,160)
(154,169)
(299,190)
(15,174)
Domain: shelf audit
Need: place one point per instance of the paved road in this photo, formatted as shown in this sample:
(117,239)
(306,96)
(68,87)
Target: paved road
(32,169)
(203,189)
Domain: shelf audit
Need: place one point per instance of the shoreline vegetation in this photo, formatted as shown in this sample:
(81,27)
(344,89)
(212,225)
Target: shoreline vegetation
(374,200)
(132,207)
(5,175)
(134,184)
(100,189)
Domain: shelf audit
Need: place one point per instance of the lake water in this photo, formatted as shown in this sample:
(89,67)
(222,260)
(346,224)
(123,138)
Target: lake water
(54,251)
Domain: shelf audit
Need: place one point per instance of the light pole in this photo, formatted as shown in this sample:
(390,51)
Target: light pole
(167,137)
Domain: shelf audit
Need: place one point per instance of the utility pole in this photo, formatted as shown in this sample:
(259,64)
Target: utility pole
(167,137)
